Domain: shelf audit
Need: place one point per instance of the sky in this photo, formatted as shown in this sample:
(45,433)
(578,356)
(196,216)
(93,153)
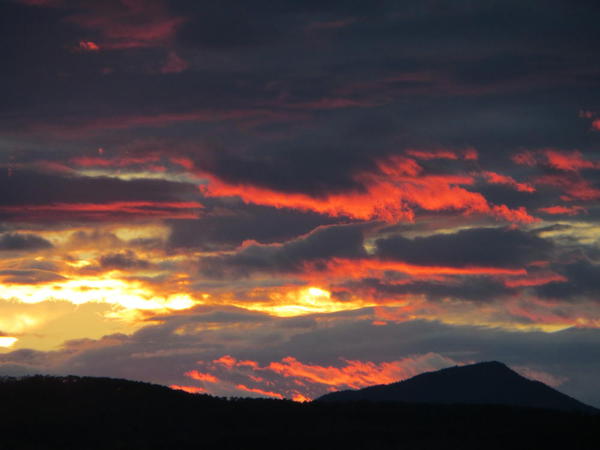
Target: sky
(288,198)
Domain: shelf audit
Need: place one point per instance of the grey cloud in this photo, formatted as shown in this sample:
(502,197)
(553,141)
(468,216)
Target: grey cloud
(321,244)
(225,228)
(20,242)
(124,260)
(493,247)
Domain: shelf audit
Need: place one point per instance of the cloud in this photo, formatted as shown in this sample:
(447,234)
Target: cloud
(333,354)
(321,244)
(496,178)
(393,192)
(20,242)
(127,24)
(561,209)
(225,227)
(296,380)
(39,196)
(123,261)
(484,247)
(581,280)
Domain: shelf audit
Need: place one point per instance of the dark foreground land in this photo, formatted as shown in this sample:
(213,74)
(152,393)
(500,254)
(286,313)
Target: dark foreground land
(98,413)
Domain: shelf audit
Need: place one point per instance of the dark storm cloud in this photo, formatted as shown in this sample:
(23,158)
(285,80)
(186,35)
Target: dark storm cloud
(488,247)
(18,242)
(478,289)
(583,281)
(344,241)
(24,187)
(227,227)
(381,80)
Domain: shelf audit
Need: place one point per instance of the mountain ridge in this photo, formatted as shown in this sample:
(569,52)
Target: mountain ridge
(487,382)
(97,413)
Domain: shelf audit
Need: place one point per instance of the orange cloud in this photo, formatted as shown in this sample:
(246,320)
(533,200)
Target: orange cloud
(291,378)
(358,268)
(195,375)
(496,178)
(189,389)
(535,280)
(259,391)
(354,375)
(596,124)
(391,194)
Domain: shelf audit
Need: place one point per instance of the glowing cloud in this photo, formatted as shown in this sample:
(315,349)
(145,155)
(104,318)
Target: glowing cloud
(496,178)
(567,210)
(129,295)
(572,161)
(88,46)
(391,194)
(7,341)
(357,268)
(291,378)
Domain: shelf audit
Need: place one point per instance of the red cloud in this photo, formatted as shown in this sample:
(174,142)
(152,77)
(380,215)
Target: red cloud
(360,268)
(392,194)
(556,159)
(537,279)
(88,46)
(574,187)
(259,391)
(291,378)
(496,178)
(189,389)
(569,161)
(195,375)
(568,210)
(128,23)
(100,211)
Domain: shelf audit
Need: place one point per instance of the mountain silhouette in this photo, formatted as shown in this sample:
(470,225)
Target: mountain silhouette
(485,383)
(85,413)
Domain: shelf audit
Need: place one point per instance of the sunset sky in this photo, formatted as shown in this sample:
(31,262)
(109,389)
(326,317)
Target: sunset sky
(281,199)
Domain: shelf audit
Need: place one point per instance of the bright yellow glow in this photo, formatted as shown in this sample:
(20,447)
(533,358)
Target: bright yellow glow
(309,300)
(130,295)
(7,341)
(17,323)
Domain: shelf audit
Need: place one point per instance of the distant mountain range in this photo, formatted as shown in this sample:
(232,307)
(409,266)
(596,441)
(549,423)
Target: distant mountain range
(485,383)
(75,413)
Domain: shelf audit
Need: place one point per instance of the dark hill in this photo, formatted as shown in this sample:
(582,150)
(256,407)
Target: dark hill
(73,413)
(486,383)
